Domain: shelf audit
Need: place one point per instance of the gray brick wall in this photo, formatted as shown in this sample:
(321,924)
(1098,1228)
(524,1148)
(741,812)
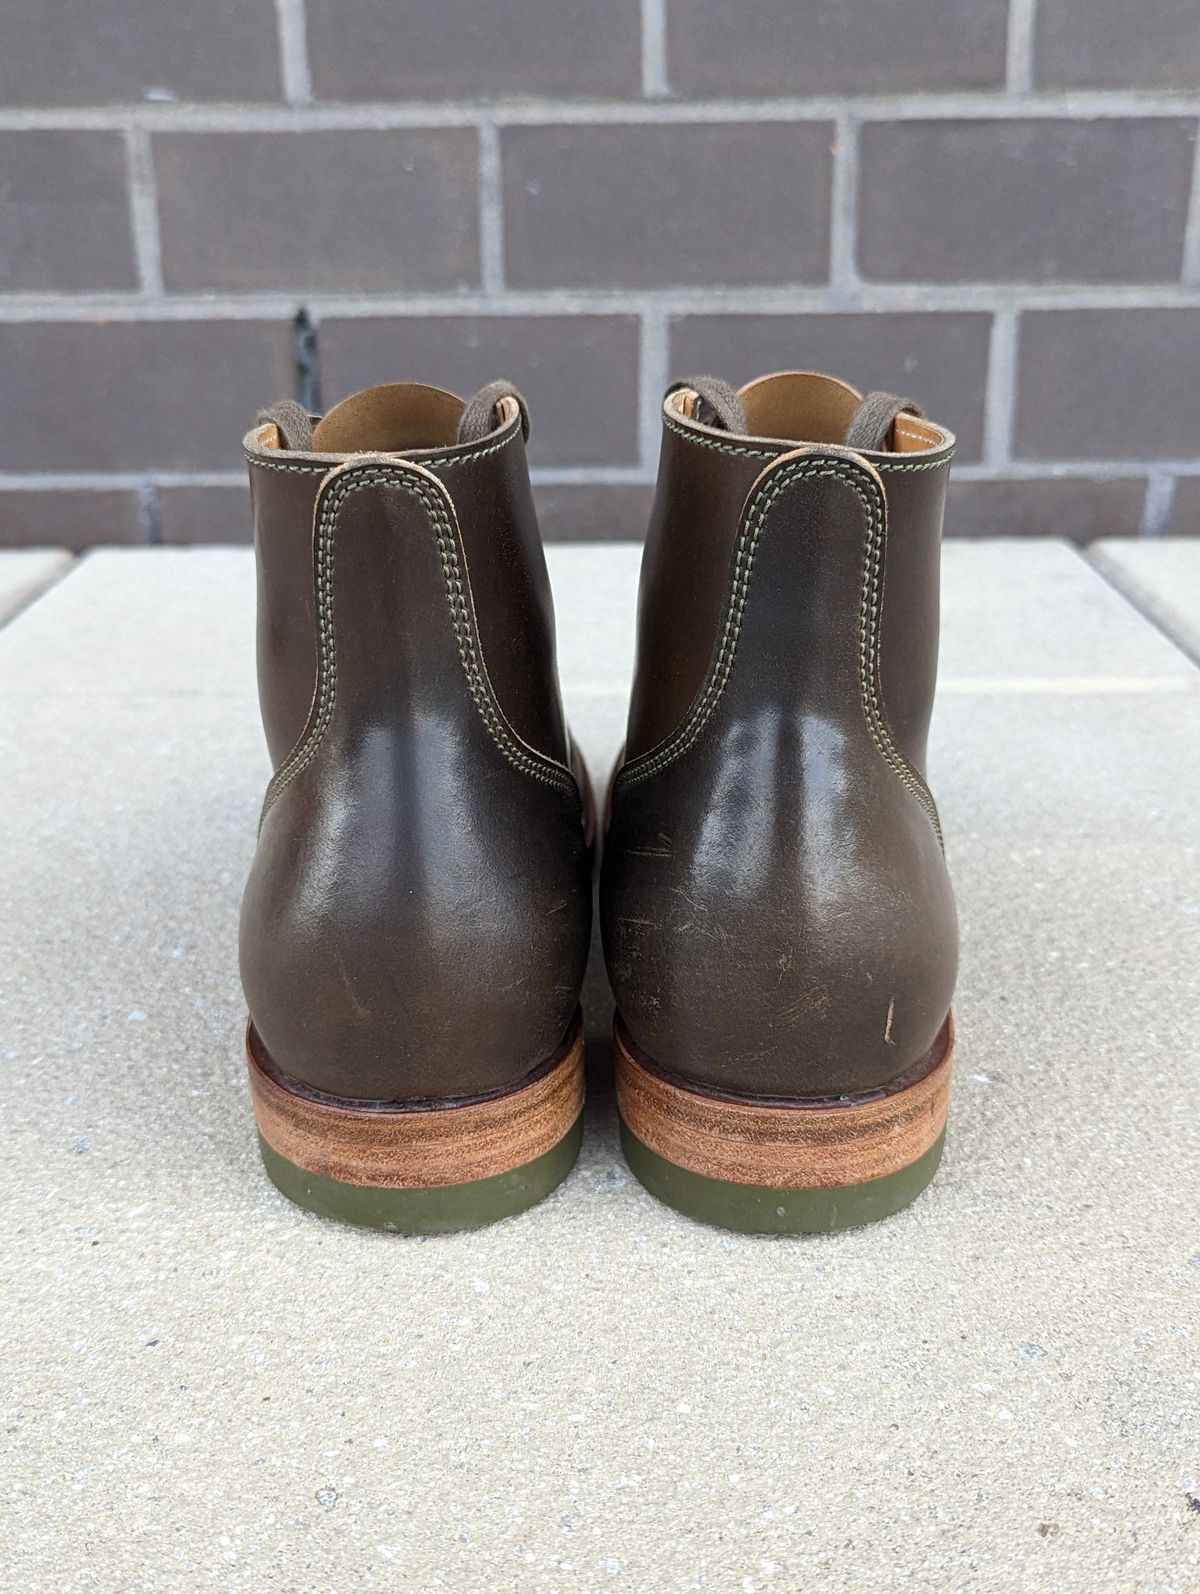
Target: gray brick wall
(991,204)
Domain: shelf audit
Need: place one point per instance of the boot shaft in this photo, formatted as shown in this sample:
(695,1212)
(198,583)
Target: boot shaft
(487,482)
(415,922)
(777,914)
(705,478)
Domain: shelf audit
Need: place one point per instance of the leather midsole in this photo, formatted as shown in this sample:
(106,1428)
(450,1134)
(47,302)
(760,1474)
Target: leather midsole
(797,1146)
(422,1148)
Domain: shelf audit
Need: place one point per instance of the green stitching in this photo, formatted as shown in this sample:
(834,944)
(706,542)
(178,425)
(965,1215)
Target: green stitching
(870,602)
(766,453)
(460,619)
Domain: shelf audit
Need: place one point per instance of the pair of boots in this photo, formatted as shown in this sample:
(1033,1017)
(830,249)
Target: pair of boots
(777,917)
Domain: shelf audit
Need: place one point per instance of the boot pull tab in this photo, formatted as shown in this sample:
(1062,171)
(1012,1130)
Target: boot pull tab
(479,413)
(718,402)
(871,426)
(293,423)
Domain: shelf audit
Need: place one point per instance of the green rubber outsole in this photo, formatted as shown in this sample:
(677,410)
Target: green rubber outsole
(754,1209)
(441,1210)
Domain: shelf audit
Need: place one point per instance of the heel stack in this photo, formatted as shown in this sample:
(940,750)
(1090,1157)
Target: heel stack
(771,1167)
(425,1167)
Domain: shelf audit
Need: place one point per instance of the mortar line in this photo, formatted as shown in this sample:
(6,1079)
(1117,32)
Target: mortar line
(143,210)
(1191,237)
(617,475)
(491,211)
(135,480)
(306,346)
(981,105)
(1000,393)
(1107,469)
(654,372)
(151,510)
(1160,498)
(114,480)
(776,300)
(294,66)
(843,211)
(654,49)
(1019,50)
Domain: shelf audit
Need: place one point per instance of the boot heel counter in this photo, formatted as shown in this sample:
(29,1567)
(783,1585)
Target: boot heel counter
(830,978)
(378,967)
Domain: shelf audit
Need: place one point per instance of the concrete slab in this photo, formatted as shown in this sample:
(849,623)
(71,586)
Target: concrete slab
(1037,618)
(1002,624)
(203,1387)
(1026,617)
(24,572)
(163,620)
(1002,613)
(1161,576)
(595,605)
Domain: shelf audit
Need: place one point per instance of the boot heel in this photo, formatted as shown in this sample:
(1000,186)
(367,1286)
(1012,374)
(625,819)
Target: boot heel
(784,1168)
(422,1168)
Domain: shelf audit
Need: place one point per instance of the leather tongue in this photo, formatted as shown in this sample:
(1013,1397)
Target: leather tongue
(872,423)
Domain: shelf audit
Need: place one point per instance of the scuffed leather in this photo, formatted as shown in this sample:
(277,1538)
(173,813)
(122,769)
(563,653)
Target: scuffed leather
(417,915)
(777,914)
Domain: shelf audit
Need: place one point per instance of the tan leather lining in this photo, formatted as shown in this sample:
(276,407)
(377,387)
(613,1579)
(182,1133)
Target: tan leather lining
(915,436)
(808,407)
(390,419)
(803,406)
(400,417)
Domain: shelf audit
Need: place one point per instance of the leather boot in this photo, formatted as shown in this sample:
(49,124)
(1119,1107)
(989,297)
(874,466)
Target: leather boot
(415,925)
(778,920)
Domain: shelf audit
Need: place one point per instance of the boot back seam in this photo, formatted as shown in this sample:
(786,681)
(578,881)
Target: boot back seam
(324,698)
(870,606)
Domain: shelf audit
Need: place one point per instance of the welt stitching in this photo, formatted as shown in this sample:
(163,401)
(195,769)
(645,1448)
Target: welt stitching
(766,453)
(870,603)
(306,748)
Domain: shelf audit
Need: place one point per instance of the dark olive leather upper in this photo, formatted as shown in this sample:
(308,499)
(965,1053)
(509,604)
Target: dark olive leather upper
(416,920)
(777,914)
